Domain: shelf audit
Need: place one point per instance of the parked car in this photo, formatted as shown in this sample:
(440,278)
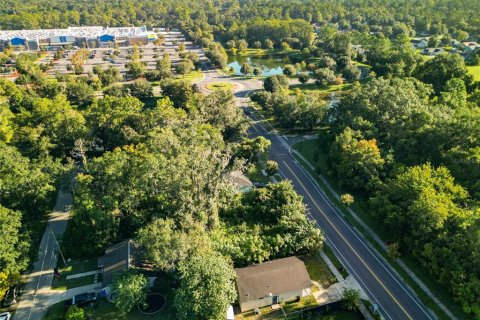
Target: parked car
(82,300)
(259,185)
(10,297)
(5,316)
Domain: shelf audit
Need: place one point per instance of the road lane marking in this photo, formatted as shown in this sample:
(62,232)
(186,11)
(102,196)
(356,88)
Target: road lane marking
(363,242)
(334,248)
(344,222)
(348,244)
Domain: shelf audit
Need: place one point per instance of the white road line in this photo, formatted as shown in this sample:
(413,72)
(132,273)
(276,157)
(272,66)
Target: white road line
(307,174)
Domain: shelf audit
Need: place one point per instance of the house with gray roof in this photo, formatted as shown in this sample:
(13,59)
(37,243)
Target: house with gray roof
(117,258)
(272,282)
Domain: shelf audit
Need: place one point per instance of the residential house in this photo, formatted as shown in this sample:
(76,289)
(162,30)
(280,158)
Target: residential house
(116,259)
(455,43)
(470,47)
(432,51)
(272,282)
(419,43)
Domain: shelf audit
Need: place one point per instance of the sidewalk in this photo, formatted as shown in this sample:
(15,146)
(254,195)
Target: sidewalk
(37,292)
(335,291)
(377,239)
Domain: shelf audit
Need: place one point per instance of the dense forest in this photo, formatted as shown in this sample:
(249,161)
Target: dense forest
(241,19)
(405,139)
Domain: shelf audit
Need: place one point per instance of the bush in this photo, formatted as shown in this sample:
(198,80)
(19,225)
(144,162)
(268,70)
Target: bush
(75,313)
(276,83)
(271,167)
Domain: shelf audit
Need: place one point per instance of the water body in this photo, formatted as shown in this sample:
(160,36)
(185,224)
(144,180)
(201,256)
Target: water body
(270,65)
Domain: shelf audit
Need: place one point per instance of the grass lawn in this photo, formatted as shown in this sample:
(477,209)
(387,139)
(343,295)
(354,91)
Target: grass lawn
(254,173)
(220,85)
(360,64)
(251,52)
(265,312)
(74,268)
(106,310)
(192,76)
(335,260)
(314,87)
(474,71)
(317,157)
(150,102)
(318,270)
(303,303)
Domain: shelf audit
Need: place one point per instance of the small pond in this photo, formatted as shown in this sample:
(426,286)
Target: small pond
(270,65)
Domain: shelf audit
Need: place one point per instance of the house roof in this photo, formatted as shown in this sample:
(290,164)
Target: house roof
(116,258)
(271,278)
(238,179)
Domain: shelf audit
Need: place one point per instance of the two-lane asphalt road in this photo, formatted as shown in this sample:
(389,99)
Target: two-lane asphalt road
(375,276)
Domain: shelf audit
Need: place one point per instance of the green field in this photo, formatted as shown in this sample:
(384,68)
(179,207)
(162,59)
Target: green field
(74,268)
(214,86)
(105,310)
(192,76)
(318,270)
(475,72)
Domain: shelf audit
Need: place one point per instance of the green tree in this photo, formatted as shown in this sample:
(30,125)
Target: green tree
(271,167)
(327,62)
(130,289)
(351,73)
(257,71)
(246,69)
(13,247)
(220,110)
(351,299)
(50,126)
(442,68)
(141,89)
(211,278)
(347,199)
(289,70)
(75,313)
(115,121)
(6,124)
(164,66)
(79,93)
(303,77)
(268,44)
(252,150)
(241,45)
(276,83)
(164,244)
(324,77)
(417,203)
(135,69)
(179,92)
(184,67)
(357,162)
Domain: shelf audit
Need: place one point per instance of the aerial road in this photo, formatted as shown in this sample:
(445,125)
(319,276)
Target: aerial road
(385,289)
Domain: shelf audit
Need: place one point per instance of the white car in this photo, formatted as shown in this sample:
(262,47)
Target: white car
(5,316)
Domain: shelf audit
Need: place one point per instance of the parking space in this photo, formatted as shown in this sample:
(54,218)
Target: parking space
(118,57)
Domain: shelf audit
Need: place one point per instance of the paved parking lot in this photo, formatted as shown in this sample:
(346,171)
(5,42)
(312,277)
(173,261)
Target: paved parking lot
(104,56)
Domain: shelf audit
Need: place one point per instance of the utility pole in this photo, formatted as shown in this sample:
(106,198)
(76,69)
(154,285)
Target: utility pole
(59,249)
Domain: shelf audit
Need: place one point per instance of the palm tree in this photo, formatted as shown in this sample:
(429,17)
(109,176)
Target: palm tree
(351,299)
